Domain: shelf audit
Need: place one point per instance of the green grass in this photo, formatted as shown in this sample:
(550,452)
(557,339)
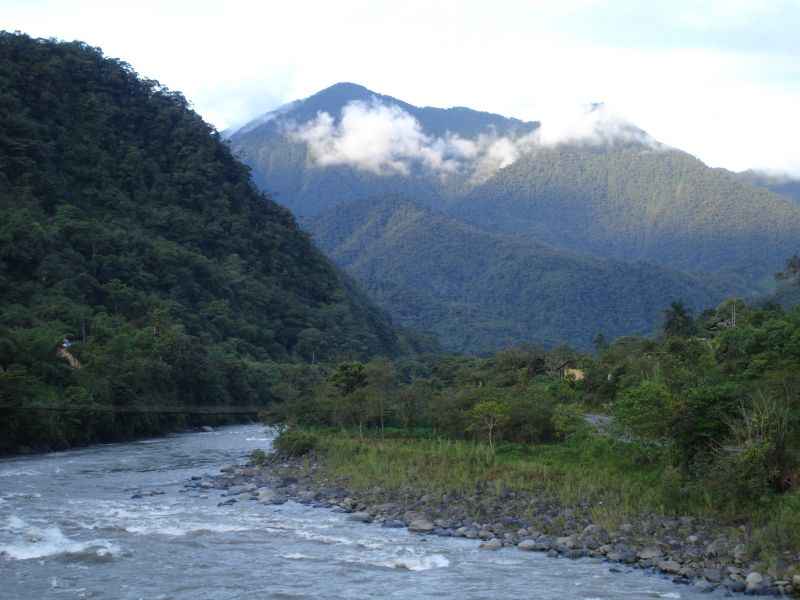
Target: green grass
(614,481)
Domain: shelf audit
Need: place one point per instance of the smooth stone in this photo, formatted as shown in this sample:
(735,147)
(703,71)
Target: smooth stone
(421,525)
(393,524)
(361,517)
(568,541)
(528,545)
(649,553)
(670,566)
(754,581)
(494,544)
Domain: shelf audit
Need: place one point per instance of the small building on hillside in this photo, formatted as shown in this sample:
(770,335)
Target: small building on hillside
(569,370)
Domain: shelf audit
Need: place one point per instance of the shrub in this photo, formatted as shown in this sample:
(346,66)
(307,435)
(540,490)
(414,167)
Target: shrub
(293,442)
(258,457)
(645,411)
(569,421)
(759,458)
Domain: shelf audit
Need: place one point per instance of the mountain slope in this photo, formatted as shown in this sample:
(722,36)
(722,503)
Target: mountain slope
(128,226)
(609,190)
(783,185)
(282,164)
(636,203)
(480,291)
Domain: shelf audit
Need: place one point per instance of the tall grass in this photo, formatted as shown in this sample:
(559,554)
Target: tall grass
(612,481)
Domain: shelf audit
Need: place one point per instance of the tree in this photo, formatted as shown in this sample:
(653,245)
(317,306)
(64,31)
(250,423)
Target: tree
(380,377)
(348,377)
(600,342)
(489,416)
(678,320)
(791,272)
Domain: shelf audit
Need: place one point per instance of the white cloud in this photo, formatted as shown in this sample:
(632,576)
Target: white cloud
(375,137)
(596,124)
(385,139)
(720,79)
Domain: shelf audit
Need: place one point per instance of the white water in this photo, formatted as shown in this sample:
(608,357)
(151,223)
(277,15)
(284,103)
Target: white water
(69,528)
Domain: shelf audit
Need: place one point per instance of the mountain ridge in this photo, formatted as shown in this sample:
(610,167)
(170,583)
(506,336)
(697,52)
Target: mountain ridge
(480,291)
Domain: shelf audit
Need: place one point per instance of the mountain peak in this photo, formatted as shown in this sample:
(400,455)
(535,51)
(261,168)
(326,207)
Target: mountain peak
(344,88)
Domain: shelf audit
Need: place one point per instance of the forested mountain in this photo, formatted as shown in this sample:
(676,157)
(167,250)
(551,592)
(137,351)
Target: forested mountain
(128,226)
(480,291)
(784,185)
(635,203)
(609,192)
(283,165)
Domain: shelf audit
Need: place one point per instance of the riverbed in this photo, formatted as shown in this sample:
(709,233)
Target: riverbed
(117,522)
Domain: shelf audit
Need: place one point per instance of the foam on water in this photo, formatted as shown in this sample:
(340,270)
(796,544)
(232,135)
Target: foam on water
(182,529)
(19,473)
(296,556)
(42,542)
(416,563)
(322,539)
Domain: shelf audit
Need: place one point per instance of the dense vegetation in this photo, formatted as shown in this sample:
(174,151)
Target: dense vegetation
(626,201)
(127,226)
(703,420)
(784,185)
(634,203)
(480,291)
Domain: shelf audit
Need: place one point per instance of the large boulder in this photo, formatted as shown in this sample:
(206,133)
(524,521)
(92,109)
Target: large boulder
(421,525)
(754,582)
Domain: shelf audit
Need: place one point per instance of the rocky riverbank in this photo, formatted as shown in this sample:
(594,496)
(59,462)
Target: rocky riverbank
(689,550)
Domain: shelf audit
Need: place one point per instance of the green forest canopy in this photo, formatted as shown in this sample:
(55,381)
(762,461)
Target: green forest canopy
(128,226)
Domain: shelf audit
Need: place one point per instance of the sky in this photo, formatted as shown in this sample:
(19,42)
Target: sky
(717,78)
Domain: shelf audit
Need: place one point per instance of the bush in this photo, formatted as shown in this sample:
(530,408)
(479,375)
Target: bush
(758,460)
(293,442)
(258,457)
(569,421)
(645,411)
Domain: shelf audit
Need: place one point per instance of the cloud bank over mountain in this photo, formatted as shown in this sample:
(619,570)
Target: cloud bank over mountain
(385,139)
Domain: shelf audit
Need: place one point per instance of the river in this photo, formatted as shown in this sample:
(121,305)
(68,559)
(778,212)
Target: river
(115,521)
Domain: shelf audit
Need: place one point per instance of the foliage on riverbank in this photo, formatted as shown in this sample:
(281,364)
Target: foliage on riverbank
(605,481)
(703,420)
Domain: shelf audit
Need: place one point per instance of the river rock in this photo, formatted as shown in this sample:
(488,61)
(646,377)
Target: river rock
(207,429)
(265,495)
(494,544)
(670,566)
(735,585)
(361,517)
(421,525)
(754,582)
(567,541)
(393,524)
(649,553)
(528,545)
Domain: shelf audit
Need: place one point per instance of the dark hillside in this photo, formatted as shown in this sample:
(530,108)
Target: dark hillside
(128,226)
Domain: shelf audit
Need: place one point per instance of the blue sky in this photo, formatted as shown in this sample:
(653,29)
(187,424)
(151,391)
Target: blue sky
(719,79)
